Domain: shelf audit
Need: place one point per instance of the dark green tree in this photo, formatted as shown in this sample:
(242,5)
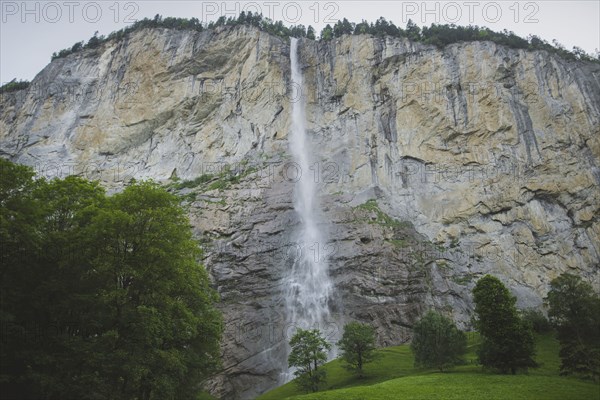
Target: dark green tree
(20,248)
(343,27)
(62,298)
(77,47)
(362,28)
(102,297)
(575,312)
(43,294)
(413,32)
(382,28)
(310,33)
(94,41)
(437,342)
(154,295)
(297,31)
(507,341)
(357,346)
(327,33)
(309,352)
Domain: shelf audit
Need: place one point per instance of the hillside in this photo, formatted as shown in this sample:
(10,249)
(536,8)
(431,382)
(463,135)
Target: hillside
(394,377)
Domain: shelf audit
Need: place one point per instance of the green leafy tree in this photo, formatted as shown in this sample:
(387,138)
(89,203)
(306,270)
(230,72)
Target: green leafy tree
(19,218)
(309,352)
(437,342)
(310,33)
(357,346)
(19,270)
(154,295)
(62,298)
(507,341)
(102,297)
(575,312)
(41,287)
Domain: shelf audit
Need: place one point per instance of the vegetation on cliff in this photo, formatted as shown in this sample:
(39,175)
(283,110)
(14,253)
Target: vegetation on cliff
(14,85)
(439,35)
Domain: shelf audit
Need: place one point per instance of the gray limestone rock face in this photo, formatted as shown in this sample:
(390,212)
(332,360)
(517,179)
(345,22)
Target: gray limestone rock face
(435,167)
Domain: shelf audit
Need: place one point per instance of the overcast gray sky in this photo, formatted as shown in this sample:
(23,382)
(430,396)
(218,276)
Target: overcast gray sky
(31,31)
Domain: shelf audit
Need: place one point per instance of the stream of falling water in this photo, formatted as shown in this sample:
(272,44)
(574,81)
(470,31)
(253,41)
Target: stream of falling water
(308,287)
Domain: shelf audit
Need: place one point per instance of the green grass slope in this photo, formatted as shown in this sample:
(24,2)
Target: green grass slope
(465,387)
(393,376)
(393,362)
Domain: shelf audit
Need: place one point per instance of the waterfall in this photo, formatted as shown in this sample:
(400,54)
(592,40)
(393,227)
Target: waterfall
(307,288)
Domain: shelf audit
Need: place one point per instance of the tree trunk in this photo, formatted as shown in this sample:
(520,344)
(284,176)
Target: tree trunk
(360,365)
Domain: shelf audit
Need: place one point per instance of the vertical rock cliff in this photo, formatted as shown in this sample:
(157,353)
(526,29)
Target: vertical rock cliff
(435,168)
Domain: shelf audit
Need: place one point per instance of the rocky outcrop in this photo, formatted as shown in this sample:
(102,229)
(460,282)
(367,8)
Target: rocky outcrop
(436,167)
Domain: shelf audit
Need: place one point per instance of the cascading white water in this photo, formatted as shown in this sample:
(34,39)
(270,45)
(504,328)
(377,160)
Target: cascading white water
(308,287)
